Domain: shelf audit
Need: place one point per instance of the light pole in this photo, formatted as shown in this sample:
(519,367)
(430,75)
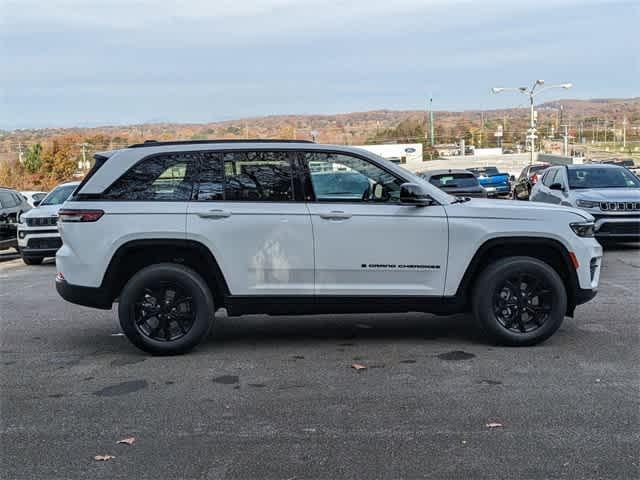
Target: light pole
(531,93)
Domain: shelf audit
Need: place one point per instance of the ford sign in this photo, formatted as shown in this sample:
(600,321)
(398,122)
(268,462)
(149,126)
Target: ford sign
(410,150)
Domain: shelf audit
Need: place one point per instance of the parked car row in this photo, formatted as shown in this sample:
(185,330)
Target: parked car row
(28,221)
(608,190)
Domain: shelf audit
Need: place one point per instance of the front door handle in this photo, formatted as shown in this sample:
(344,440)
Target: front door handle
(335,215)
(215,213)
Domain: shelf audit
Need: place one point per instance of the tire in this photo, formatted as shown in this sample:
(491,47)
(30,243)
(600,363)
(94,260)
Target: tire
(496,282)
(32,260)
(163,334)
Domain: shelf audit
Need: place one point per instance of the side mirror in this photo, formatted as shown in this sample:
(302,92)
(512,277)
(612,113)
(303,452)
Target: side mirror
(512,178)
(556,186)
(37,202)
(413,194)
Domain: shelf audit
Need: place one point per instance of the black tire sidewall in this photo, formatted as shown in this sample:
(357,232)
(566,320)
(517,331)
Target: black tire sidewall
(493,277)
(32,260)
(187,279)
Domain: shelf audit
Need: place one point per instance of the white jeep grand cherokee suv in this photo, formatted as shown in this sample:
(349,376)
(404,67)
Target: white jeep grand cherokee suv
(175,230)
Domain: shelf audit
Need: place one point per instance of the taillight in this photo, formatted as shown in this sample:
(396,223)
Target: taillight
(534,178)
(72,215)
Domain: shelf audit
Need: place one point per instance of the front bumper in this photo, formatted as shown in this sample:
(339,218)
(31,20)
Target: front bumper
(617,227)
(35,242)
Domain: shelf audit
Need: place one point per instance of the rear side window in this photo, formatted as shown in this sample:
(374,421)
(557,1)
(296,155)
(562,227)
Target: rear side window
(246,176)
(549,177)
(166,177)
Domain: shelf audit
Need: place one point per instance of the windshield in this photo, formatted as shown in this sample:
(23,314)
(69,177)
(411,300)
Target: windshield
(602,178)
(58,195)
(454,180)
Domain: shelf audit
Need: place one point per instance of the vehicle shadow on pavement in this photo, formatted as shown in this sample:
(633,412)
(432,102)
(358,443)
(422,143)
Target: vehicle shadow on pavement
(409,326)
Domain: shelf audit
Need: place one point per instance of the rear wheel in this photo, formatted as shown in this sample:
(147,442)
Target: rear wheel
(166,309)
(32,260)
(519,301)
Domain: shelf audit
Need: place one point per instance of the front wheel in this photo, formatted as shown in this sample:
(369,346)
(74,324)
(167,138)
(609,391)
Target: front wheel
(166,309)
(32,260)
(519,301)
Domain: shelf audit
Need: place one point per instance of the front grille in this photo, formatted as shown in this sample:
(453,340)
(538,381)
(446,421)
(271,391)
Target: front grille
(631,228)
(44,243)
(620,206)
(42,221)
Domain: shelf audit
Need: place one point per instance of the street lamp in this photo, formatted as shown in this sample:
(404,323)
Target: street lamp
(531,93)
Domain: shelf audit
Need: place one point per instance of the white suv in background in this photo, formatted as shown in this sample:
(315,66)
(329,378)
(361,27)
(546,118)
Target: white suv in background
(175,230)
(38,235)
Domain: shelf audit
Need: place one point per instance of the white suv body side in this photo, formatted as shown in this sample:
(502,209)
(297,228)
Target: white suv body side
(307,248)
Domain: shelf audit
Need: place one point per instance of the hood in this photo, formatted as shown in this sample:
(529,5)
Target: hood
(513,209)
(45,211)
(608,194)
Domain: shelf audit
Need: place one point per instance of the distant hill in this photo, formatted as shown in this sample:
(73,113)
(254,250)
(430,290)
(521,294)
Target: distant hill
(349,128)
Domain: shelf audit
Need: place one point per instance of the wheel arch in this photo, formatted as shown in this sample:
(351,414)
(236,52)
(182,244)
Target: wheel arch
(134,255)
(548,250)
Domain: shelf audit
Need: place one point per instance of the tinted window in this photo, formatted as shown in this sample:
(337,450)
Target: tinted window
(338,177)
(611,177)
(58,195)
(166,177)
(38,196)
(211,186)
(6,199)
(454,180)
(257,177)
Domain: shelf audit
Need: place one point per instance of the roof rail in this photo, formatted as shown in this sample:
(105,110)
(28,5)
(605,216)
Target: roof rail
(156,143)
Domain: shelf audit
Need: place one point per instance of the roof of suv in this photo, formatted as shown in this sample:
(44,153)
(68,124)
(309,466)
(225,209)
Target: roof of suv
(156,143)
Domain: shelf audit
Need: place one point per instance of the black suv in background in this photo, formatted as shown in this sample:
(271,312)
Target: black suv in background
(527,179)
(12,205)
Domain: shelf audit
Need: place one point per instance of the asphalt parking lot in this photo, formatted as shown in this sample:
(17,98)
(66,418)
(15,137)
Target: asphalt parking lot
(277,397)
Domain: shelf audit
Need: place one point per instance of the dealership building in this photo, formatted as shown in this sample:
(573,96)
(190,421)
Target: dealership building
(409,155)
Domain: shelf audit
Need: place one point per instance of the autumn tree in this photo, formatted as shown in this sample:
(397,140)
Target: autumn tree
(33,160)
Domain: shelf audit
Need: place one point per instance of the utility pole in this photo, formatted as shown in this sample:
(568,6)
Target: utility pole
(20,153)
(246,130)
(431,125)
(565,141)
(624,132)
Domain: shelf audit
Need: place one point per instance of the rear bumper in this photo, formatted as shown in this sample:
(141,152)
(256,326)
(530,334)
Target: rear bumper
(86,296)
(584,295)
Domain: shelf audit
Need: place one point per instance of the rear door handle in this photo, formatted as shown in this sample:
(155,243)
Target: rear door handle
(216,213)
(335,215)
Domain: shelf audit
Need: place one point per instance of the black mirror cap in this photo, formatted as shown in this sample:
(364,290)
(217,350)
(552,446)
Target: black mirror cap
(414,194)
(556,186)
(512,178)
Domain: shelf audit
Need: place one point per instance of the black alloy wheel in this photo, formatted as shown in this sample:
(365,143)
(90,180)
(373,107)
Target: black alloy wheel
(522,303)
(164,313)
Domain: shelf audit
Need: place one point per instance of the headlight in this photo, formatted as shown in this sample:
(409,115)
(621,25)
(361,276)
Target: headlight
(583,229)
(587,203)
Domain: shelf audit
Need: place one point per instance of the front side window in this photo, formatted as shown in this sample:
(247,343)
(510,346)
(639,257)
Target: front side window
(166,177)
(337,177)
(257,176)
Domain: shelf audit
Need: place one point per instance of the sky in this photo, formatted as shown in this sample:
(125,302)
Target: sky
(104,62)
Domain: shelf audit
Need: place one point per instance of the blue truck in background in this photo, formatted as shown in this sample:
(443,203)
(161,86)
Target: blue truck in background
(495,183)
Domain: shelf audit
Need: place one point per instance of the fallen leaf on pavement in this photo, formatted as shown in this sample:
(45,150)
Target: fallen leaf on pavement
(494,425)
(358,366)
(103,458)
(128,440)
